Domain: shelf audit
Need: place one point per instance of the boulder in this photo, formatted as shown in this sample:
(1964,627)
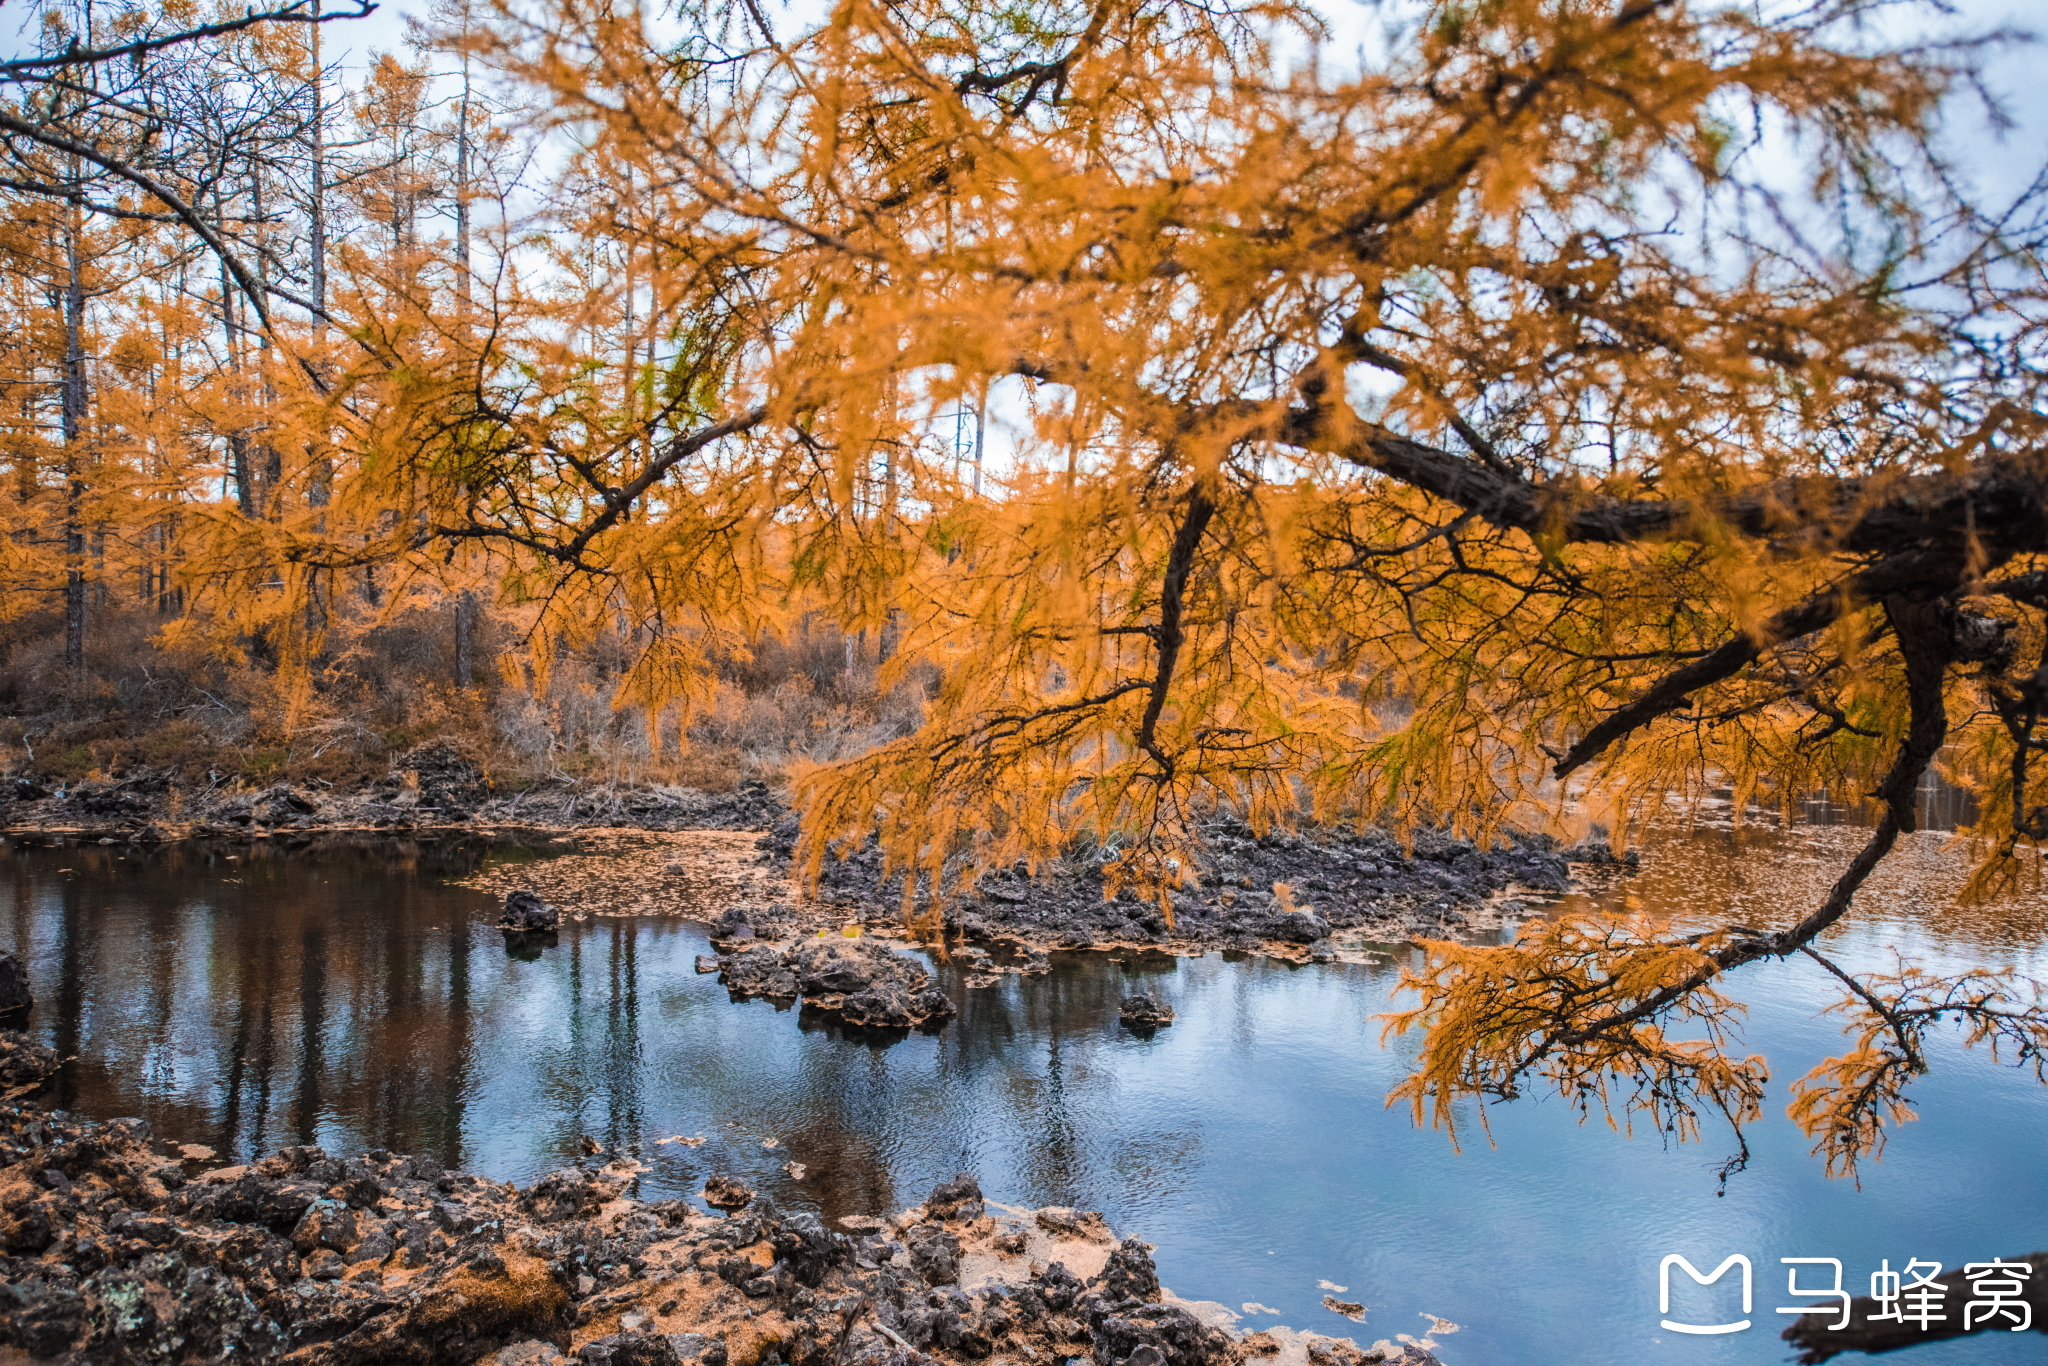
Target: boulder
(526,913)
(732,928)
(15,995)
(1144,1011)
(1177,1335)
(728,1193)
(631,1349)
(1297,927)
(449,780)
(890,1006)
(837,966)
(1130,1273)
(23,1061)
(959,1198)
(759,971)
(934,1254)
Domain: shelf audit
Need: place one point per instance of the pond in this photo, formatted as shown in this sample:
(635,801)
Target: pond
(348,995)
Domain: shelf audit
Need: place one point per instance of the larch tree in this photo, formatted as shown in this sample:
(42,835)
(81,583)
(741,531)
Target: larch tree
(1583,403)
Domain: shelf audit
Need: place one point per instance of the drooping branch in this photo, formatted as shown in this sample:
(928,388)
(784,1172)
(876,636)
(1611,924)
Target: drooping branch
(1169,637)
(1923,637)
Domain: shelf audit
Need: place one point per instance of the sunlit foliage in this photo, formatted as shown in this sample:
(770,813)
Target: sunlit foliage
(1570,410)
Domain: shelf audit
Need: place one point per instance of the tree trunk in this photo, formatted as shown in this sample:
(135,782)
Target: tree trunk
(74,413)
(465,638)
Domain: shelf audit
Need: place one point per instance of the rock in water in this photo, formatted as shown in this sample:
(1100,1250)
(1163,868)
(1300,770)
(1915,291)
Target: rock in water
(728,1193)
(15,996)
(890,1006)
(759,971)
(23,1061)
(837,966)
(959,1198)
(526,913)
(1148,1012)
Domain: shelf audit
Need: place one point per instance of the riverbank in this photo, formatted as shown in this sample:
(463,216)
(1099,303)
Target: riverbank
(118,1247)
(1313,895)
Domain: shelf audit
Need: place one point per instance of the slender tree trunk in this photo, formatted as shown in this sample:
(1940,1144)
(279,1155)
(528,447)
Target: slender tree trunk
(238,439)
(269,458)
(74,416)
(465,638)
(316,234)
(462,187)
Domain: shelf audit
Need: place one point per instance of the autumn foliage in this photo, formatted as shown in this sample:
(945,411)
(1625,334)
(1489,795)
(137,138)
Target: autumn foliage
(1568,409)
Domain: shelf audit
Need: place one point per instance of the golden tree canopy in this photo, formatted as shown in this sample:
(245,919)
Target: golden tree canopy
(1575,403)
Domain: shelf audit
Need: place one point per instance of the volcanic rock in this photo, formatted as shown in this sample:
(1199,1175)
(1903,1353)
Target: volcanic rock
(836,966)
(727,1193)
(15,996)
(890,1006)
(759,971)
(23,1061)
(526,913)
(1298,927)
(1144,1011)
(959,1198)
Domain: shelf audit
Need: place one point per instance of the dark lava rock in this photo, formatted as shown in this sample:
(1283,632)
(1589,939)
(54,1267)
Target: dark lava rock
(1352,877)
(1144,1011)
(760,971)
(631,1349)
(733,928)
(526,913)
(727,1193)
(15,996)
(24,1062)
(1179,1336)
(836,966)
(890,1006)
(1298,927)
(1130,1273)
(959,1198)
(110,1257)
(934,1254)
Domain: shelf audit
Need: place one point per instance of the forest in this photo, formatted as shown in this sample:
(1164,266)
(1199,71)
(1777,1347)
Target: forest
(1021,427)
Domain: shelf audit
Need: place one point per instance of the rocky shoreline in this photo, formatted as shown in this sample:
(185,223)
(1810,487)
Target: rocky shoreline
(1305,895)
(115,1249)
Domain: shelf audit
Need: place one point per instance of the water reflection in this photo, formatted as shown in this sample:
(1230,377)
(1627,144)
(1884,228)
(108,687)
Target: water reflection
(248,997)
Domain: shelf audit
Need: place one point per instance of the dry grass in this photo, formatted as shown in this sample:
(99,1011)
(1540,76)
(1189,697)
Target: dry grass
(387,683)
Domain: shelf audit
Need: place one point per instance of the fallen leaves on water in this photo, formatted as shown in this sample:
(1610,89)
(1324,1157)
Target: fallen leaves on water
(631,873)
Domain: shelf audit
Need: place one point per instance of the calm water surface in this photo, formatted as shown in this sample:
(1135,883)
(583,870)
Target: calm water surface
(345,995)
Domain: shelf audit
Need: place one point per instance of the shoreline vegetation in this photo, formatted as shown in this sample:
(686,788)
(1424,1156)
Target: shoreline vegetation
(117,1246)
